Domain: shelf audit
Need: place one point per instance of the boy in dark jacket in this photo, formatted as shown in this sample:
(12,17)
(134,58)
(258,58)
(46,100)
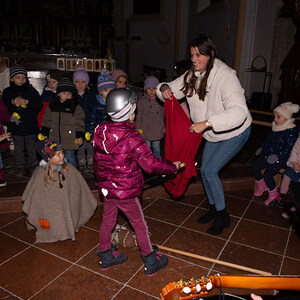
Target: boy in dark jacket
(119,154)
(24,102)
(64,120)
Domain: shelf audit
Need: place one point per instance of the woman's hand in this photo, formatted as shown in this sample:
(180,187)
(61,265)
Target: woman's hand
(199,127)
(166,92)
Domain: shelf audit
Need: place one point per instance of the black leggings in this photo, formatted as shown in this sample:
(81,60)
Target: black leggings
(270,171)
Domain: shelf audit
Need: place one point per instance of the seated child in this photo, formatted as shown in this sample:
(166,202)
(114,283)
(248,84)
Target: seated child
(119,154)
(64,120)
(57,200)
(120,78)
(150,119)
(274,153)
(49,91)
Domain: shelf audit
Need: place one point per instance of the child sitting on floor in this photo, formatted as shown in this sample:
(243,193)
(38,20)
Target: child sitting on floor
(57,199)
(274,153)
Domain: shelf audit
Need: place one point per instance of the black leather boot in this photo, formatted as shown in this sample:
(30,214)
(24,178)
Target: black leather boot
(208,216)
(110,258)
(221,221)
(154,262)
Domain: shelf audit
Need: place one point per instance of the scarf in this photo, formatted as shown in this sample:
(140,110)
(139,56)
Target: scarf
(288,124)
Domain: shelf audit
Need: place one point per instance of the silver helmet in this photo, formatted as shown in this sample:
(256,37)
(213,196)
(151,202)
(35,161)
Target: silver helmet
(117,99)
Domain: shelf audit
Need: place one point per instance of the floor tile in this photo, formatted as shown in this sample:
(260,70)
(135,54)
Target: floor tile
(290,267)
(30,271)
(250,258)
(169,211)
(78,283)
(293,247)
(6,218)
(262,236)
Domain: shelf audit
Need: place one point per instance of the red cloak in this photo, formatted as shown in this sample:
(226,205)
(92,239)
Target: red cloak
(180,145)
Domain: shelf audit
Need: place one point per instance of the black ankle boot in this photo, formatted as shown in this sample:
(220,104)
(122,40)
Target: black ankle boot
(154,262)
(208,216)
(221,221)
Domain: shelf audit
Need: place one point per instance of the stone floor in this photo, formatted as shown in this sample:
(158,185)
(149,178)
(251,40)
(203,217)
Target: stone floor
(258,238)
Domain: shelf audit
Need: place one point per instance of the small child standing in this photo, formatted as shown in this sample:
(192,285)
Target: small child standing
(85,98)
(150,115)
(120,78)
(24,102)
(119,154)
(96,110)
(57,201)
(49,91)
(64,120)
(274,153)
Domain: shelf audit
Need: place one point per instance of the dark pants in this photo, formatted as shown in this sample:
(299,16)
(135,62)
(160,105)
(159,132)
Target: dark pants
(270,171)
(21,143)
(132,208)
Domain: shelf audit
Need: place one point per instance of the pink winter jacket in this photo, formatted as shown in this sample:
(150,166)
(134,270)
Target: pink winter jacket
(119,154)
(295,154)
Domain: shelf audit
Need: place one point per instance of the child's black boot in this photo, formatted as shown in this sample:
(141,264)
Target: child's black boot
(110,258)
(221,221)
(211,214)
(154,262)
(278,202)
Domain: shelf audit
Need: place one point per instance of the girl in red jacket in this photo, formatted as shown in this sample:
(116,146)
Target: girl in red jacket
(119,155)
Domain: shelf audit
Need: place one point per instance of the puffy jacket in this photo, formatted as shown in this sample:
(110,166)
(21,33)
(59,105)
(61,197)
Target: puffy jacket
(64,122)
(280,143)
(47,96)
(119,154)
(28,115)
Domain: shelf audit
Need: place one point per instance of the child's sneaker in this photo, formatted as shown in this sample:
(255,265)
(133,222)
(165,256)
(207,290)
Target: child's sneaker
(110,258)
(154,262)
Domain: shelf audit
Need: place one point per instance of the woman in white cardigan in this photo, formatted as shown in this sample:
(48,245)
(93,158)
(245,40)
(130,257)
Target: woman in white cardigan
(218,109)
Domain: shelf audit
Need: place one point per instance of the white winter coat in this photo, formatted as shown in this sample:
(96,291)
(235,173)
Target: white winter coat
(224,105)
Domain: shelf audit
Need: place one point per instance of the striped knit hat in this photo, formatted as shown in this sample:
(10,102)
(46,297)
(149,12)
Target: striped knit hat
(105,81)
(65,85)
(17,69)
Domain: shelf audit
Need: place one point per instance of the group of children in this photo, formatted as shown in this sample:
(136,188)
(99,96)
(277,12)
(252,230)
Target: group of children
(68,116)
(69,112)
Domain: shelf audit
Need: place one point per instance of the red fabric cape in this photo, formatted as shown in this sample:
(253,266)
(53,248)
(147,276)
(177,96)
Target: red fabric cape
(180,145)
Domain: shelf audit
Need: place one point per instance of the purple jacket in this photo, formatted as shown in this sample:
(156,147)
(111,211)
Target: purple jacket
(119,154)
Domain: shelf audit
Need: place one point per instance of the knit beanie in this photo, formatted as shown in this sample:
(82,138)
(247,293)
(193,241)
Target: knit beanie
(81,74)
(124,114)
(48,148)
(17,69)
(105,81)
(54,74)
(65,85)
(151,82)
(287,109)
(115,74)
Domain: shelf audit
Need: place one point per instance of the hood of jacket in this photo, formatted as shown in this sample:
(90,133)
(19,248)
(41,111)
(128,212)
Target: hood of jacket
(112,135)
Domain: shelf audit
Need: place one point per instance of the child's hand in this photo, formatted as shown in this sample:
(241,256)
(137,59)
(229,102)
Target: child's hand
(79,141)
(258,152)
(296,167)
(4,136)
(272,159)
(177,163)
(20,101)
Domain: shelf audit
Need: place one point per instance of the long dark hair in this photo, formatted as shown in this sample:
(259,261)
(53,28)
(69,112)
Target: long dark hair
(207,47)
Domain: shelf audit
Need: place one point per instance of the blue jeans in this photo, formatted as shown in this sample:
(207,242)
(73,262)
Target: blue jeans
(70,156)
(155,147)
(215,156)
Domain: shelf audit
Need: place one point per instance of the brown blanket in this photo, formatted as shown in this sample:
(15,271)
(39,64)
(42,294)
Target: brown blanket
(57,213)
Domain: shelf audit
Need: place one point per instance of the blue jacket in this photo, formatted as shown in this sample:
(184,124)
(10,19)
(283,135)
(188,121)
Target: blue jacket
(281,144)
(28,115)
(96,114)
(85,101)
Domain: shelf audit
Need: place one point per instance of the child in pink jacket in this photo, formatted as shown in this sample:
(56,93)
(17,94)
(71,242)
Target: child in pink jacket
(120,153)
